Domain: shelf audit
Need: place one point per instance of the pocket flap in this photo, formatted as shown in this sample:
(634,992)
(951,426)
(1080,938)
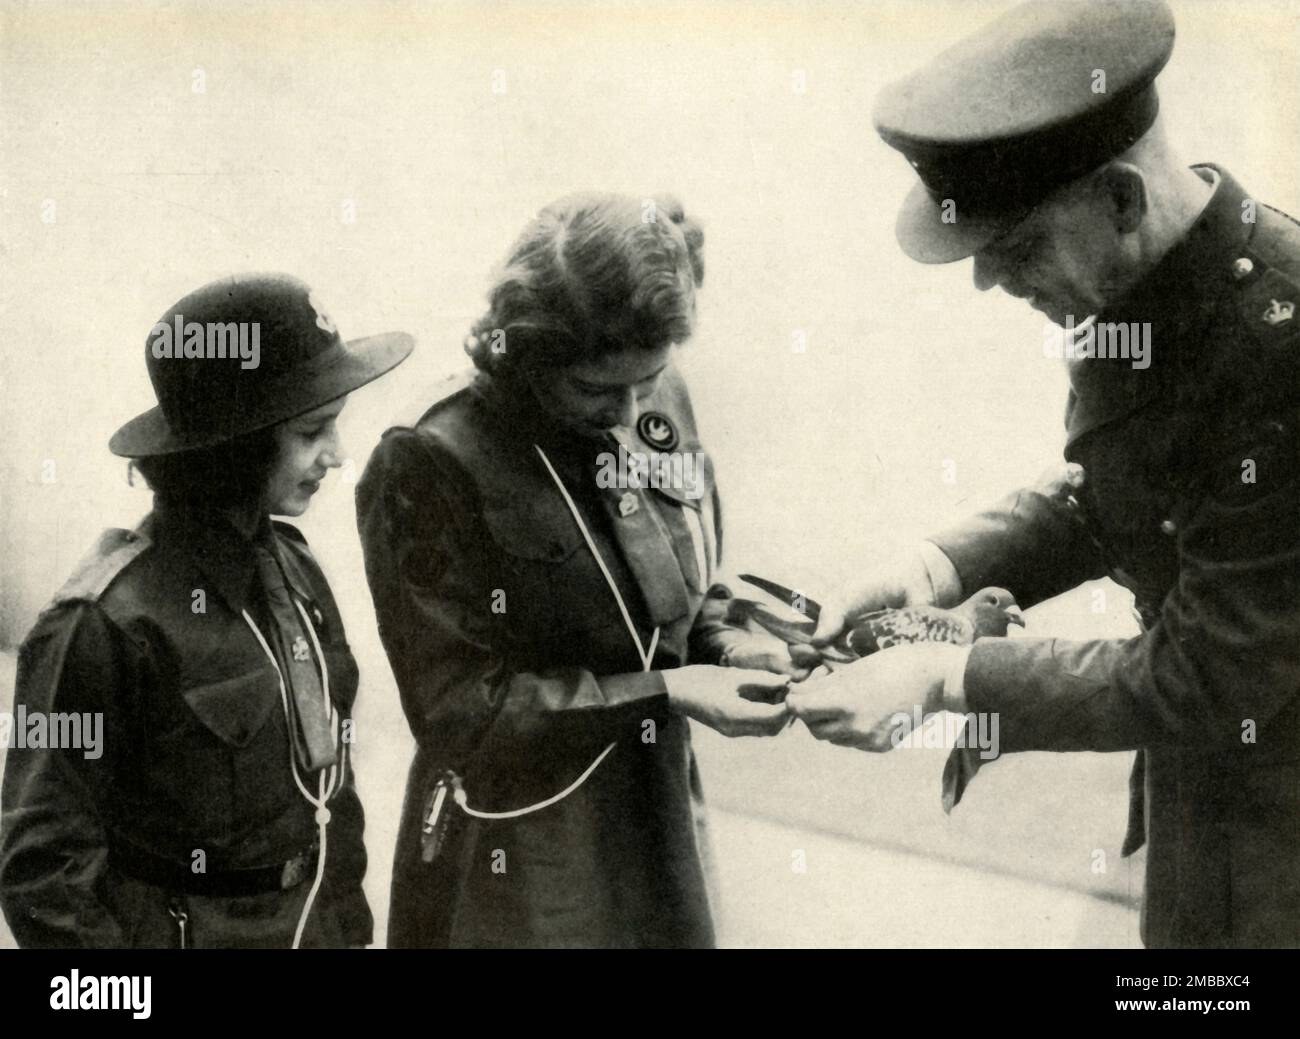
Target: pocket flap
(540,530)
(235,709)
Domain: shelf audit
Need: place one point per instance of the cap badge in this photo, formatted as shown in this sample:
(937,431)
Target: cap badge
(657,430)
(300,649)
(323,321)
(1279,312)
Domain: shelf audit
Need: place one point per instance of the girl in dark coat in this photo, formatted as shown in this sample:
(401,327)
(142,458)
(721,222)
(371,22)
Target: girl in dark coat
(541,546)
(194,786)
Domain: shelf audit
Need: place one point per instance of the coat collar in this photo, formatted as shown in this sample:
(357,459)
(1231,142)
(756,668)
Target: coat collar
(1177,298)
(221,551)
(641,535)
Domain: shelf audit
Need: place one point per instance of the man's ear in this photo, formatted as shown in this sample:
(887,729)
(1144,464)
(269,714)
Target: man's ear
(1124,190)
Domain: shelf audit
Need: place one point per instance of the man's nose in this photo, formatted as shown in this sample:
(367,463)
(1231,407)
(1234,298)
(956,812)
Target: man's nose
(986,272)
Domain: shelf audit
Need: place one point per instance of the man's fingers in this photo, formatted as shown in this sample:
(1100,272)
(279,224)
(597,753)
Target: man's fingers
(872,742)
(823,728)
(830,623)
(840,733)
(812,708)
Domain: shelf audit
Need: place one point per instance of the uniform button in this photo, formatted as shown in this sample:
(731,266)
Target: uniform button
(1241,267)
(1168,527)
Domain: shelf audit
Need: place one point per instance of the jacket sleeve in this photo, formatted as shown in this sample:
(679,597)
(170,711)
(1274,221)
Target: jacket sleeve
(53,843)
(1034,542)
(428,564)
(713,634)
(1224,652)
(347,865)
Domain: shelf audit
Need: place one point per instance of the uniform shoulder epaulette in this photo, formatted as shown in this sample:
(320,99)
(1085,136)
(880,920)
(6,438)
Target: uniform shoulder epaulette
(444,391)
(113,552)
(1267,295)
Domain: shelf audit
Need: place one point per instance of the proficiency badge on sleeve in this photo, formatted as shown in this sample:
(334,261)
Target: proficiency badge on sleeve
(657,430)
(300,649)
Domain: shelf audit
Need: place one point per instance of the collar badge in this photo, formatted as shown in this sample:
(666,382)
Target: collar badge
(1279,312)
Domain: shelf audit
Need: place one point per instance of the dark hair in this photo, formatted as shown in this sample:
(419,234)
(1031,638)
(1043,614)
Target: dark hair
(233,473)
(593,274)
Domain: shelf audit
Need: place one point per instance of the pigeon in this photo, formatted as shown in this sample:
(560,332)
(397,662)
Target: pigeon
(988,613)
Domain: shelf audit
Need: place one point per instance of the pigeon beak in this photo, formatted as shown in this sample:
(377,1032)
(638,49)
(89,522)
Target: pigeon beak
(1014,616)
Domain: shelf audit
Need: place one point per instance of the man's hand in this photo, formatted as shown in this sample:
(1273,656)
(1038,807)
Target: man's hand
(871,704)
(924,576)
(735,701)
(906,582)
(765,652)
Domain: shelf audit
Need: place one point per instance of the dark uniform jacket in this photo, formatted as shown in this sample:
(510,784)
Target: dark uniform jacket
(516,669)
(1191,500)
(195,754)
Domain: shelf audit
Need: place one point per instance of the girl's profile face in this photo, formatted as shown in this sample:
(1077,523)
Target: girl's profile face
(596,396)
(308,447)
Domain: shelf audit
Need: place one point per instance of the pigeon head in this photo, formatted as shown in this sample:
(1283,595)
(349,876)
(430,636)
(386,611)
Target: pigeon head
(992,610)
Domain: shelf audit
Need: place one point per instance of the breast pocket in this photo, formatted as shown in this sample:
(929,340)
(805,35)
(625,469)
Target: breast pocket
(219,746)
(546,583)
(235,709)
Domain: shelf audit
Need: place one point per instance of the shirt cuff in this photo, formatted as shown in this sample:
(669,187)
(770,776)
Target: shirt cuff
(945,583)
(954,682)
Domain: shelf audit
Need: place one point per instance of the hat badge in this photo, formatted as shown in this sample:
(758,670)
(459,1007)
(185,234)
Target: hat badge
(1279,312)
(323,321)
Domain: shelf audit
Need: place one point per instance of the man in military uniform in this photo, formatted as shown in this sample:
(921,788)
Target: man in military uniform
(1182,480)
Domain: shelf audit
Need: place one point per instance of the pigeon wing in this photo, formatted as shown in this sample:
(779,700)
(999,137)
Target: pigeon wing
(886,628)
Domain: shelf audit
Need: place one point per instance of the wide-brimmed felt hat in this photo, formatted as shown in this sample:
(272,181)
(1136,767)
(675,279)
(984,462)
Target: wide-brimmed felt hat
(245,353)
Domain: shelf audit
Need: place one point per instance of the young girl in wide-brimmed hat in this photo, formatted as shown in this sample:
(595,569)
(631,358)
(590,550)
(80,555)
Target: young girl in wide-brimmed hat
(218,809)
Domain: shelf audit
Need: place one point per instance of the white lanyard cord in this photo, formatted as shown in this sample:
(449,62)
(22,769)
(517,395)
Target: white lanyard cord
(646,655)
(331,780)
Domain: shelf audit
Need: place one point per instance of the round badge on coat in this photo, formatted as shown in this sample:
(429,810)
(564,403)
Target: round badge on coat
(657,430)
